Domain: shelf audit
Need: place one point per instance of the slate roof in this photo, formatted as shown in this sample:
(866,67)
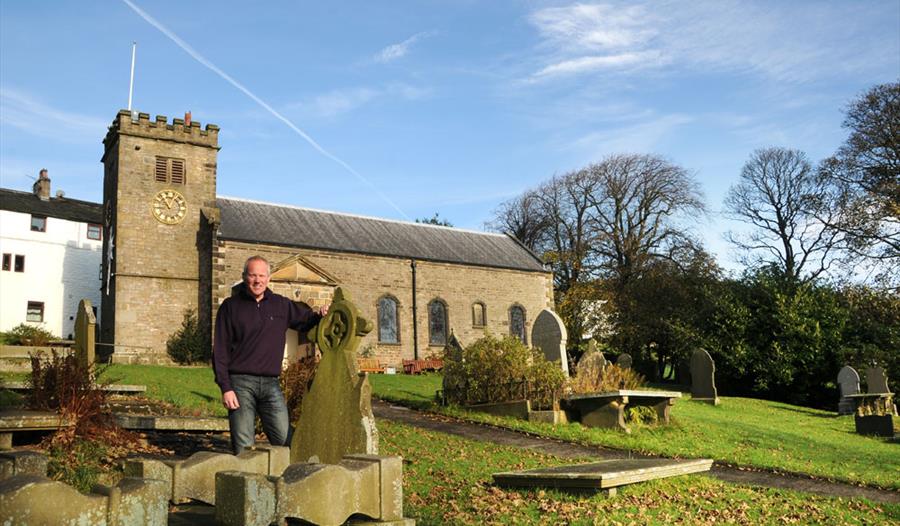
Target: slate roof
(256,222)
(58,207)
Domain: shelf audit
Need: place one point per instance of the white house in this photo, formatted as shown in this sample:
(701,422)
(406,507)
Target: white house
(51,252)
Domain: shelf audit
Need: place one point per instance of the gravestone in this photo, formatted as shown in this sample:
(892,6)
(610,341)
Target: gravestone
(703,378)
(549,335)
(453,352)
(876,380)
(624,361)
(848,381)
(604,476)
(85,332)
(336,414)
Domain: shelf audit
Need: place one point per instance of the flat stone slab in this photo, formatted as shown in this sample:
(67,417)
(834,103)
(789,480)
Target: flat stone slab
(603,475)
(23,420)
(110,388)
(171,423)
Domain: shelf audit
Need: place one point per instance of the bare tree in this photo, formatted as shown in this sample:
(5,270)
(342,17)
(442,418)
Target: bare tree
(781,196)
(639,208)
(523,218)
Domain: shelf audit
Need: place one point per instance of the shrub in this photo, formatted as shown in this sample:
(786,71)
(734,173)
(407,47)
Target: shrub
(188,344)
(610,378)
(23,334)
(499,370)
(295,383)
(91,449)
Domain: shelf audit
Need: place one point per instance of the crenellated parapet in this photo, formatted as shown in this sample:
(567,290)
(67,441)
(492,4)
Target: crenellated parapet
(177,131)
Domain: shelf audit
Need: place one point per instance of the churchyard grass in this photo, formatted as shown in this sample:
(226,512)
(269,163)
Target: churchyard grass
(451,484)
(740,431)
(191,389)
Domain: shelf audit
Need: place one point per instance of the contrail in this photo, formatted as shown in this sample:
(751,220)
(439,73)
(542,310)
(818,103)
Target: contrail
(215,69)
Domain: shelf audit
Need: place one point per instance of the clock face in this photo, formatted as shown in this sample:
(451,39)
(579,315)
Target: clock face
(169,207)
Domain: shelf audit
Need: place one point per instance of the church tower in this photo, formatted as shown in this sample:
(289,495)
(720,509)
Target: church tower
(159,199)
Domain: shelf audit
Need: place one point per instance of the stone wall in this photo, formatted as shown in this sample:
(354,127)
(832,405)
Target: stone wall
(368,278)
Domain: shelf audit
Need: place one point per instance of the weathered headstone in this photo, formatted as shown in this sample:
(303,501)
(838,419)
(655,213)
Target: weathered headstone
(604,476)
(703,378)
(14,463)
(315,493)
(85,332)
(876,380)
(336,414)
(195,477)
(549,335)
(624,361)
(453,352)
(31,499)
(848,381)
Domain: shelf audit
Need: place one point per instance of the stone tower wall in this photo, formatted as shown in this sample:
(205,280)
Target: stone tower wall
(157,267)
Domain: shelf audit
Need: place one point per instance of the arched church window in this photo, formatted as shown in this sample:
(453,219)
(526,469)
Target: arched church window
(478,314)
(517,323)
(437,323)
(388,320)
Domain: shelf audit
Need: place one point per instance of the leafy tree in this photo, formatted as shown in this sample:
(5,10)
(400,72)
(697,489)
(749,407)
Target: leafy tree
(865,176)
(780,196)
(434,220)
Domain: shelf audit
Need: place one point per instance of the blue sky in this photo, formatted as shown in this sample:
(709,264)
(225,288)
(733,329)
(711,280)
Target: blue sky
(437,106)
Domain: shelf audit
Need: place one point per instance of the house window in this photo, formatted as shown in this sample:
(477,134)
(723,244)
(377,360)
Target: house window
(437,323)
(20,263)
(38,223)
(7,261)
(94,232)
(478,319)
(517,323)
(35,311)
(169,170)
(387,320)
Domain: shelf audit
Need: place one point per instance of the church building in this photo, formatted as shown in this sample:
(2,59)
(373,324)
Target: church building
(171,245)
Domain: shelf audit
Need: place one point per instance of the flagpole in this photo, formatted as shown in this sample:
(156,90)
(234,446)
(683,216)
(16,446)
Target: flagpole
(131,84)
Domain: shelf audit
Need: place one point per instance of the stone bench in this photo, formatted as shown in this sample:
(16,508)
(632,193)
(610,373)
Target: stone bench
(608,409)
(16,420)
(109,388)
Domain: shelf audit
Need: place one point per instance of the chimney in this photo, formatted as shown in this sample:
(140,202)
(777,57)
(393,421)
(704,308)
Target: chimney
(187,119)
(41,187)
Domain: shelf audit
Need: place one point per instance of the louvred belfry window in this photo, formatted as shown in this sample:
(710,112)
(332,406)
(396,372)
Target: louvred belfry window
(169,170)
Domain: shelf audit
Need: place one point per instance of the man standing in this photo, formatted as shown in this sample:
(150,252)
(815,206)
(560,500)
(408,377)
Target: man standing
(248,351)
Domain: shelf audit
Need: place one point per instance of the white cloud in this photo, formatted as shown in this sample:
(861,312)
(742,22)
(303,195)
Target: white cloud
(341,101)
(395,51)
(29,114)
(640,136)
(600,62)
(787,41)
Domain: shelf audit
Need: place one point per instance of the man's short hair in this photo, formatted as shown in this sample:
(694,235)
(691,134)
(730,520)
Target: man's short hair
(256,258)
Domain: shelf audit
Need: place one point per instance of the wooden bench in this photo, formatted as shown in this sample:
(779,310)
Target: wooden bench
(608,409)
(369,365)
(420,366)
(15,420)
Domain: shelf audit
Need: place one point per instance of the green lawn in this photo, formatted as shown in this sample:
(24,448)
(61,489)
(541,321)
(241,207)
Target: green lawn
(191,388)
(740,431)
(451,484)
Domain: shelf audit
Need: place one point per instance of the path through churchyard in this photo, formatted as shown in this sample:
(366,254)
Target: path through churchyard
(496,435)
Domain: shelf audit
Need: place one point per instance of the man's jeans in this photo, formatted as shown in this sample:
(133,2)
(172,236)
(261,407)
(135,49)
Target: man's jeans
(258,395)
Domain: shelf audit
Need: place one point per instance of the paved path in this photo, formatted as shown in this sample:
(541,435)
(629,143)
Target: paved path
(496,435)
